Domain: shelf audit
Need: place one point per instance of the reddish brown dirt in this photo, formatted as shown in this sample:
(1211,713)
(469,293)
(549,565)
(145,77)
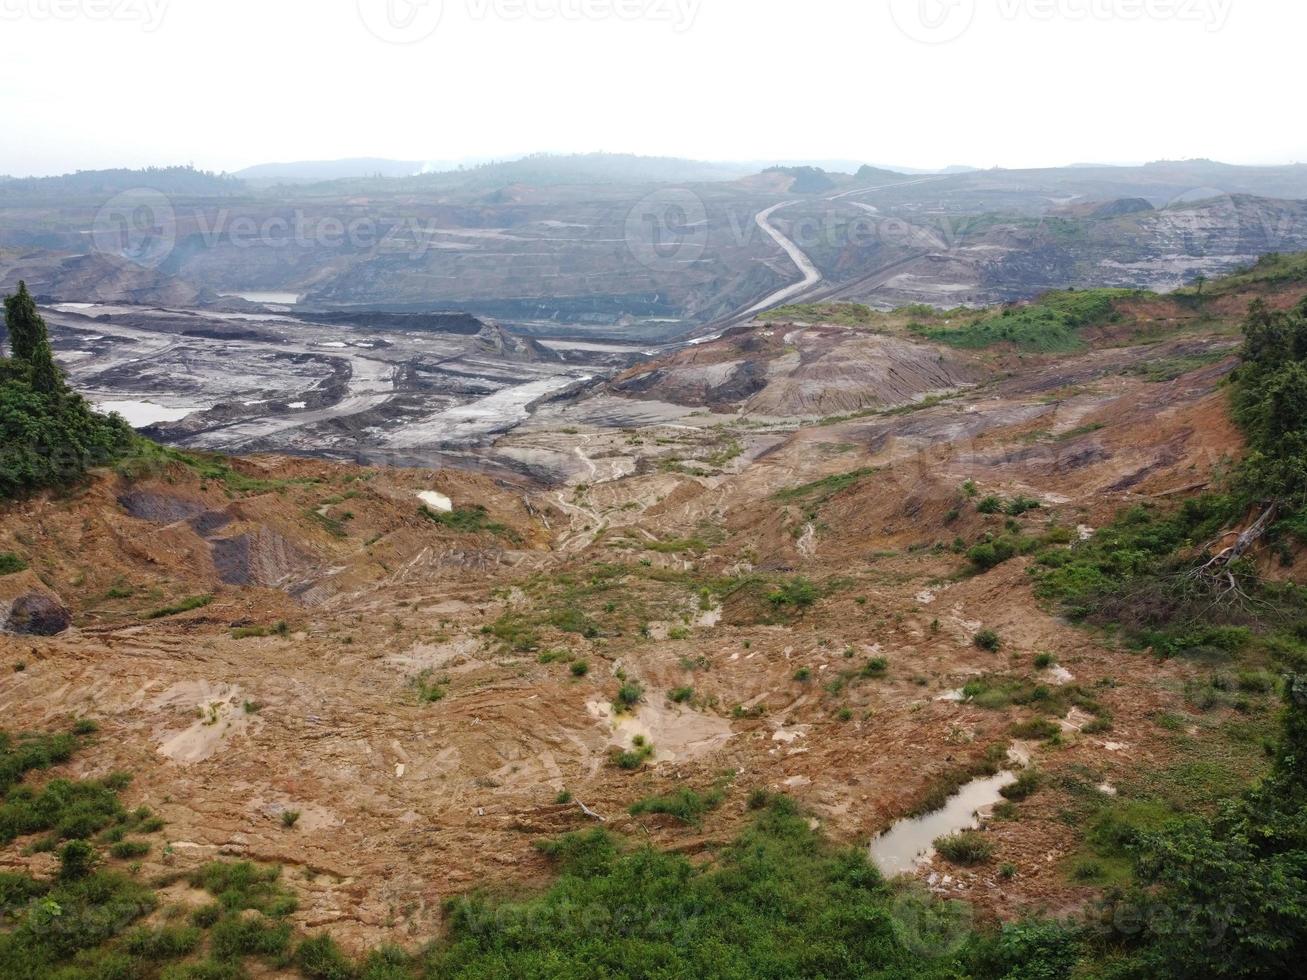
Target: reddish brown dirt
(405,802)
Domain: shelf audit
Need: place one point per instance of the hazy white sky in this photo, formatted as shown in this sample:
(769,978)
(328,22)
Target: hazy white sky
(228,83)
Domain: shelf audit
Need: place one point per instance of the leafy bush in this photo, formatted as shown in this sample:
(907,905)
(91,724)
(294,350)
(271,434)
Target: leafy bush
(987,639)
(875,667)
(167,943)
(797,592)
(127,849)
(966,847)
(684,804)
(1021,505)
(11,563)
(778,902)
(1049,324)
(629,695)
(1037,728)
(1028,780)
(993,552)
(321,959)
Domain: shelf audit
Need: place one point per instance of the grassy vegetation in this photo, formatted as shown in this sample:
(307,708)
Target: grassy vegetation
(1048,325)
(1272,269)
(685,804)
(429,689)
(181,606)
(842,314)
(150,459)
(279,628)
(966,847)
(1169,368)
(795,593)
(11,563)
(818,492)
(778,902)
(469,520)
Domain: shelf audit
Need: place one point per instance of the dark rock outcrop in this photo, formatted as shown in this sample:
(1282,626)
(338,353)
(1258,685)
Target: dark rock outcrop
(28,608)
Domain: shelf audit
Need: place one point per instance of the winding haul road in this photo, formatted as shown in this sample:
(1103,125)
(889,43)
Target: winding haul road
(811,276)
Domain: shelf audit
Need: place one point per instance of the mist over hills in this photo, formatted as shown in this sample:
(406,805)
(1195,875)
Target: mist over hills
(632,246)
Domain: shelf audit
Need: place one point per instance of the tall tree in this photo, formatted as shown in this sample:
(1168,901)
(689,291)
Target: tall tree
(46,376)
(26,328)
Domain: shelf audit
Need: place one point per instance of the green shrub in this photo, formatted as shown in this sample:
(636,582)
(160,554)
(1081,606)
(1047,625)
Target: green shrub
(1021,505)
(240,885)
(127,849)
(236,936)
(66,809)
(184,605)
(684,804)
(629,695)
(1050,323)
(797,592)
(1028,780)
(166,943)
(967,847)
(11,563)
(1037,728)
(429,690)
(680,695)
(321,959)
(875,667)
(468,520)
(77,859)
(580,668)
(987,639)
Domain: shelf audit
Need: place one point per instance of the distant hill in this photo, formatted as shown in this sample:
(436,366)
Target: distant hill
(584,168)
(309,171)
(807,180)
(105,183)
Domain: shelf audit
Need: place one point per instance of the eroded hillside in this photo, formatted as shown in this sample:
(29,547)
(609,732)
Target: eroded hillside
(801,558)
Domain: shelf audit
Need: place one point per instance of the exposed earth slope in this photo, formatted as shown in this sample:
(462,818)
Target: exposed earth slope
(748,571)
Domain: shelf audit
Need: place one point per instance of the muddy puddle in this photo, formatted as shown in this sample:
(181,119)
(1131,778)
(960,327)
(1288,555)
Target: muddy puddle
(264,296)
(911,840)
(139,414)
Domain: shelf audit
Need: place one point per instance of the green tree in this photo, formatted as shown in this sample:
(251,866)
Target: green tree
(49,436)
(24,324)
(46,376)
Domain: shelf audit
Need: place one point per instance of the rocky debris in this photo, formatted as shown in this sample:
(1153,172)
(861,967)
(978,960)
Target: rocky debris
(28,608)
(495,340)
(787,371)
